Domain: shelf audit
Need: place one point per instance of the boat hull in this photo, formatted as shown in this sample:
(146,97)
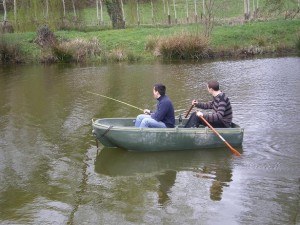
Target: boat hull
(120,132)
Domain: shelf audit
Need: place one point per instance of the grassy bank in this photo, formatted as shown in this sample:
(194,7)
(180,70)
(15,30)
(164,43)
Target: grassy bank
(270,37)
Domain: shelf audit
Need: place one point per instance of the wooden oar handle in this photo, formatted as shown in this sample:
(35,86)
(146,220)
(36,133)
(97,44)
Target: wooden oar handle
(216,132)
(186,115)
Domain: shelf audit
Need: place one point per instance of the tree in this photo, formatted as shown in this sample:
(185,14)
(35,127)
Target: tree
(99,18)
(175,12)
(5,12)
(152,12)
(138,12)
(15,10)
(168,12)
(47,9)
(123,13)
(203,7)
(114,10)
(247,9)
(208,17)
(255,8)
(74,9)
(64,8)
(196,14)
(187,11)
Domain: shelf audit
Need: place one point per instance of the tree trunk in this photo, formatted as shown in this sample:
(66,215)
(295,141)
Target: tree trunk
(101,12)
(15,11)
(152,12)
(123,13)
(47,9)
(196,14)
(209,18)
(175,12)
(5,12)
(138,12)
(64,7)
(74,9)
(247,9)
(99,18)
(6,27)
(255,9)
(169,16)
(187,11)
(97,11)
(115,13)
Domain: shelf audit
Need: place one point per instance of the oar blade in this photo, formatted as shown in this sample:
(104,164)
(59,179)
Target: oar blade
(235,152)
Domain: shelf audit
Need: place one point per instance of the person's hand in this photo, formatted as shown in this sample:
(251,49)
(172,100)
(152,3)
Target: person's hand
(198,113)
(194,102)
(147,111)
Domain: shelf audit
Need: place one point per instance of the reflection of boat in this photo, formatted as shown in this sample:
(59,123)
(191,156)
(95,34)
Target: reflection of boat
(120,132)
(211,166)
(118,162)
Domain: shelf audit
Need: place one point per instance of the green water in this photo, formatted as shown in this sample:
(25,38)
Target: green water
(50,172)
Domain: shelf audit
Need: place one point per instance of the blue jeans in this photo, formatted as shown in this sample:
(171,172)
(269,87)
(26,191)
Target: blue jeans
(144,120)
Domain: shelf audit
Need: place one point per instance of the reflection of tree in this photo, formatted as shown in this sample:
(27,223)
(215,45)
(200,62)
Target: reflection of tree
(37,127)
(221,176)
(166,181)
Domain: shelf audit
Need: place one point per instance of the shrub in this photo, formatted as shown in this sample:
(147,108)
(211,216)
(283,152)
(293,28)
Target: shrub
(6,27)
(151,43)
(10,52)
(77,50)
(117,55)
(184,46)
(45,37)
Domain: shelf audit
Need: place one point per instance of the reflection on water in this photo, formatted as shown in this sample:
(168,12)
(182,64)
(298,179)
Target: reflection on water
(205,164)
(166,181)
(221,177)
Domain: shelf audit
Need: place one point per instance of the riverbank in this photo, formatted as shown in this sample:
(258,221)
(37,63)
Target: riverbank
(278,37)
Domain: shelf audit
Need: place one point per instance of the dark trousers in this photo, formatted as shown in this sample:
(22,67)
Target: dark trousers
(195,121)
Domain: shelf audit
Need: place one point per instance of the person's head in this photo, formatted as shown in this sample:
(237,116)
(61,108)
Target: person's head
(214,85)
(159,90)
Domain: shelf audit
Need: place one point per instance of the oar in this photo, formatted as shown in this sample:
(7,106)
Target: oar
(216,132)
(116,100)
(186,115)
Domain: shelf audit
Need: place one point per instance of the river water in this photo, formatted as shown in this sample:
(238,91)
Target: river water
(50,172)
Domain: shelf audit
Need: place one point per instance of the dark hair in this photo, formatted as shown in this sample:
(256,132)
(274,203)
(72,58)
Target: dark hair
(160,88)
(213,84)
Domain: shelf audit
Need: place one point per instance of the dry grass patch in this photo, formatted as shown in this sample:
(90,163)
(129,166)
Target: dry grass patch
(10,52)
(180,46)
(77,50)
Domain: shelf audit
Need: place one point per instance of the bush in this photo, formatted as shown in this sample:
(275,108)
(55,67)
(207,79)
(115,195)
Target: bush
(151,43)
(45,37)
(77,50)
(183,46)
(6,27)
(10,52)
(117,55)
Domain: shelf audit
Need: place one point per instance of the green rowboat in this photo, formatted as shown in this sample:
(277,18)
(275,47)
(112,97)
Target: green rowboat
(121,133)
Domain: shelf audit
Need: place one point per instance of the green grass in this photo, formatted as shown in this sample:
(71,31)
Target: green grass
(271,33)
(133,41)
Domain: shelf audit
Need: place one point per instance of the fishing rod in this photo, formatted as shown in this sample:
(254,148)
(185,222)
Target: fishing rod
(116,100)
(178,110)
